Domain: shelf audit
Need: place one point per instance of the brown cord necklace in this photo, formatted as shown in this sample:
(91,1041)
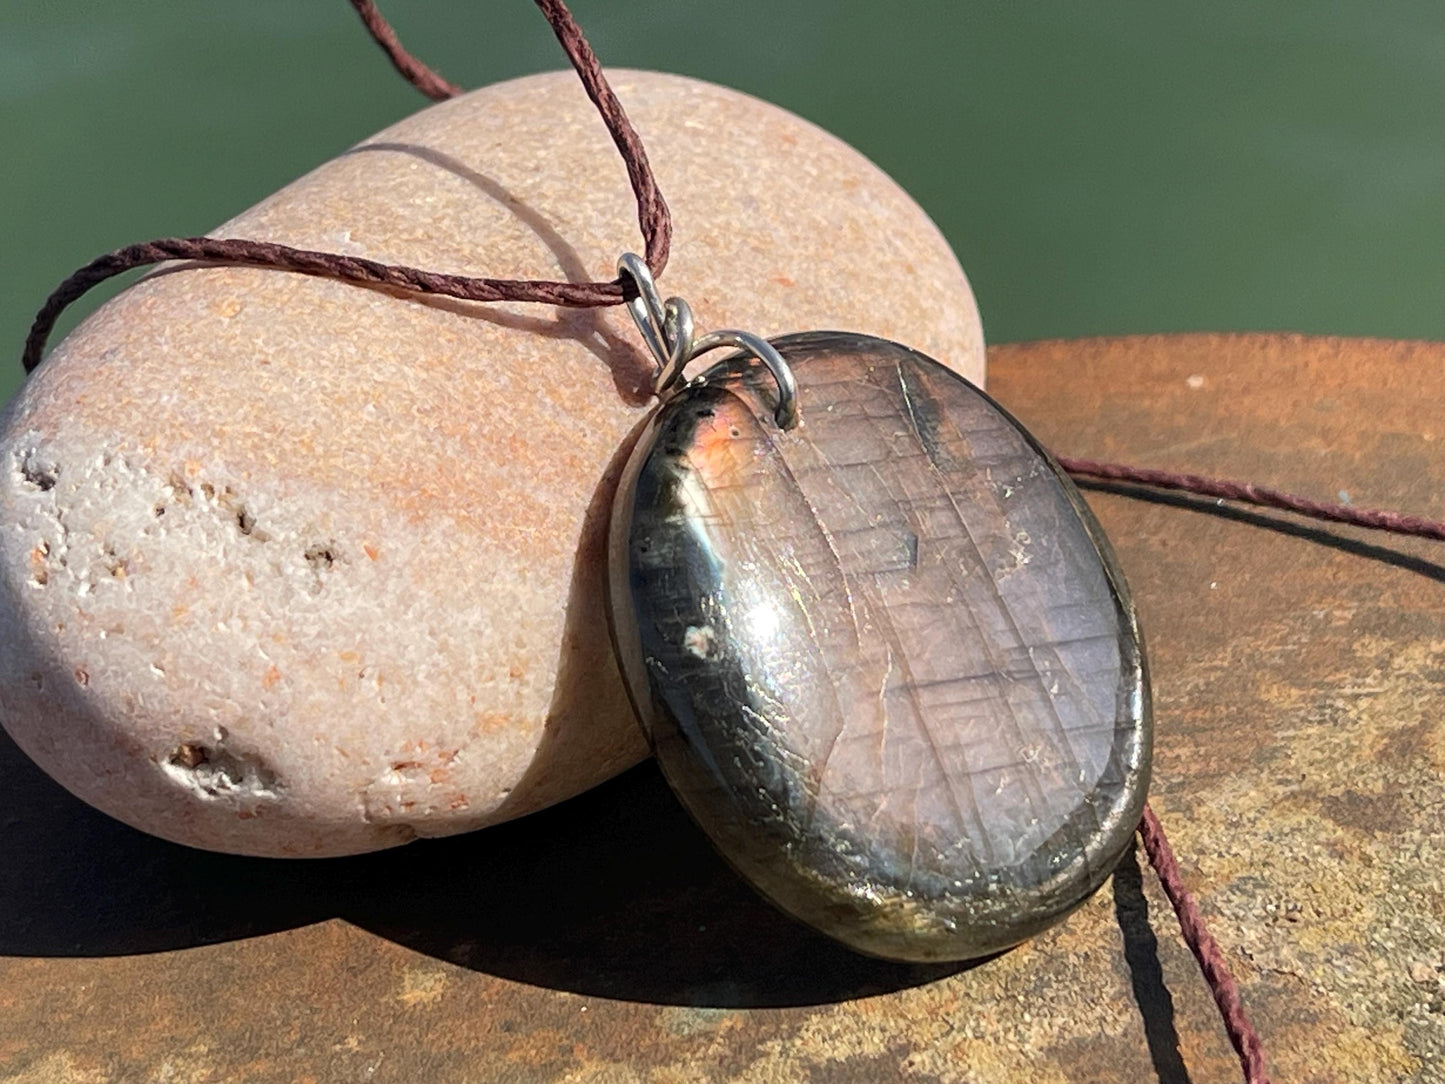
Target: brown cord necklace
(878,642)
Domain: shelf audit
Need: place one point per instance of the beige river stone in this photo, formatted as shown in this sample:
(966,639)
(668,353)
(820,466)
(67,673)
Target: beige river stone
(293,567)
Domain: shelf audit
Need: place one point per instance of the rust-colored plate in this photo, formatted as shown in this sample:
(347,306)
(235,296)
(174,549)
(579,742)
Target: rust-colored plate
(1300,690)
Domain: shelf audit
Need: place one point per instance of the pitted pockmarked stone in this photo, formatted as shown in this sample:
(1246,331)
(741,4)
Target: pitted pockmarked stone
(294,567)
(885,658)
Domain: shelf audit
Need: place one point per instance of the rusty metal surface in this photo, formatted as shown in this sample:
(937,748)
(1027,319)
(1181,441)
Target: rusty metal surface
(1300,680)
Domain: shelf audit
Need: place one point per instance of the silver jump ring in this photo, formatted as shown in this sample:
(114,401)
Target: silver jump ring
(786,412)
(647,309)
(681,333)
(669,332)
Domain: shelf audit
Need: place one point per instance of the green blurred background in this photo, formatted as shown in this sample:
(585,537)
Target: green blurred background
(1100,167)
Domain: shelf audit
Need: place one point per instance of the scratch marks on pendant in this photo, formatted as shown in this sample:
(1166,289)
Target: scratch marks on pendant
(914,673)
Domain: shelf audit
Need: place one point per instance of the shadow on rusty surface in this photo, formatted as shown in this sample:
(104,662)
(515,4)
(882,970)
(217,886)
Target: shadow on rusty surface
(1343,539)
(613,894)
(1146,973)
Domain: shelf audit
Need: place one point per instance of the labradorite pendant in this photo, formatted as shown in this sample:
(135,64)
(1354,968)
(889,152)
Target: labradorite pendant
(884,657)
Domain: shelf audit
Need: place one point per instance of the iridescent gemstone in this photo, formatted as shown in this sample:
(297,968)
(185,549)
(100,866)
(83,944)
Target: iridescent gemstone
(885,658)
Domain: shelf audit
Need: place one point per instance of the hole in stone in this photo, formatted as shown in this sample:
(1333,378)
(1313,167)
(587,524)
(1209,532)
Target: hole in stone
(115,564)
(190,756)
(322,555)
(215,772)
(40,475)
(246,524)
(39,569)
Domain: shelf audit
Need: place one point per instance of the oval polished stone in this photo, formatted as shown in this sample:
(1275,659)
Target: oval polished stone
(885,659)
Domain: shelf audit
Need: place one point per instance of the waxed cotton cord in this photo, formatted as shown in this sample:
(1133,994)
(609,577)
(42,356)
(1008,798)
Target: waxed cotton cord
(652,214)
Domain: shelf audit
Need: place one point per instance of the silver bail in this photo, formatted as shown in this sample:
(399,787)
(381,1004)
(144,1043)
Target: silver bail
(668,330)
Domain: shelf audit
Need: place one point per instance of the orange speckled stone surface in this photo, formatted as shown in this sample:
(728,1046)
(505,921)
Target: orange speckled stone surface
(1300,772)
(292,567)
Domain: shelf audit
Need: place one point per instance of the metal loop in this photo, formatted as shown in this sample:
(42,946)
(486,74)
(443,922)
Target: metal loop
(668,330)
(647,310)
(679,324)
(786,412)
